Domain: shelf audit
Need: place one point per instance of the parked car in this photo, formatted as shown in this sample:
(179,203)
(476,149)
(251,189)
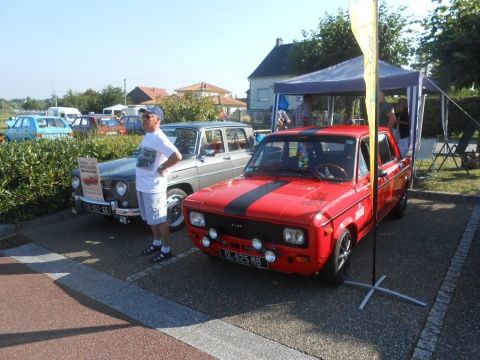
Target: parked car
(211,151)
(133,124)
(29,127)
(303,203)
(97,125)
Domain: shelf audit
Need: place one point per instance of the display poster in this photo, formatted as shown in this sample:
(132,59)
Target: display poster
(90,178)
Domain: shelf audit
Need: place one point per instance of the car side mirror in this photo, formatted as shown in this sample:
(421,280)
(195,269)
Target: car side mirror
(381,173)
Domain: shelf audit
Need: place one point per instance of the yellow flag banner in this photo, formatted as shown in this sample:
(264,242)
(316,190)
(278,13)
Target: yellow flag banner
(363,20)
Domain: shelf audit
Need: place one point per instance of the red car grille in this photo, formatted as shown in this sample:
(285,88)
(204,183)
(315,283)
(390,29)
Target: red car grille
(248,229)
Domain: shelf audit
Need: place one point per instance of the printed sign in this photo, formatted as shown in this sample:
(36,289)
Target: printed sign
(90,178)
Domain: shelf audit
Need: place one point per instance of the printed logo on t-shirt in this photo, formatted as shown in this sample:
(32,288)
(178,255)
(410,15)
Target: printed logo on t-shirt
(146,157)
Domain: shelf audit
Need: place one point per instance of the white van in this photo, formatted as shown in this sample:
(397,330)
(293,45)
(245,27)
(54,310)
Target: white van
(68,113)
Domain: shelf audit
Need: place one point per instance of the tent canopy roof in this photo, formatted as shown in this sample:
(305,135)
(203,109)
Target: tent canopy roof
(347,77)
(116,107)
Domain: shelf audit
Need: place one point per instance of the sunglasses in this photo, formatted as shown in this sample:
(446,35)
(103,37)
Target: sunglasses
(146,116)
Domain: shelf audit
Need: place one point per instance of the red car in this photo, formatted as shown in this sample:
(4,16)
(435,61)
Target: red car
(97,125)
(303,201)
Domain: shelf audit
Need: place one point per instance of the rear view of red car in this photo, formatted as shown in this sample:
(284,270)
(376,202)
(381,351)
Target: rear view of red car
(97,125)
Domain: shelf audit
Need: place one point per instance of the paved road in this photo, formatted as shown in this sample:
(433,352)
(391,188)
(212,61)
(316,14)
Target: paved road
(288,315)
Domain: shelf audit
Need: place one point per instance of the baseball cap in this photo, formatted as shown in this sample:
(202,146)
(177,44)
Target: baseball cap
(152,110)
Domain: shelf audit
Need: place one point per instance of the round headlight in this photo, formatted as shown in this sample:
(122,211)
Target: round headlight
(257,244)
(270,256)
(206,242)
(75,182)
(213,234)
(121,188)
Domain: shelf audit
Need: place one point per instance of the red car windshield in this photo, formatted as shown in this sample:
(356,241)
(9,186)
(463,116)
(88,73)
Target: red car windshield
(322,156)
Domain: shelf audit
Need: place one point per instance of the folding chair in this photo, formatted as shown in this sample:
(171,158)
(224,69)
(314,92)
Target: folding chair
(456,150)
(425,152)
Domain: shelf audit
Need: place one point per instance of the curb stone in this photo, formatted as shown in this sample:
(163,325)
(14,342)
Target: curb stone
(443,196)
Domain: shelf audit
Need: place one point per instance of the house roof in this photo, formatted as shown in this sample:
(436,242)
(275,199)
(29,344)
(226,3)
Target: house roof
(277,62)
(153,92)
(226,101)
(203,86)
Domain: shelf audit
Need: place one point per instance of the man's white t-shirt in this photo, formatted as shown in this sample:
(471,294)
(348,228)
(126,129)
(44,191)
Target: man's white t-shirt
(154,150)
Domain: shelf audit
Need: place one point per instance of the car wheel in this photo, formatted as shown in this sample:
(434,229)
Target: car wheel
(336,267)
(399,209)
(175,217)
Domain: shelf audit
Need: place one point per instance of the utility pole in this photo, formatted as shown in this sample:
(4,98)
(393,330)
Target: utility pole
(125,91)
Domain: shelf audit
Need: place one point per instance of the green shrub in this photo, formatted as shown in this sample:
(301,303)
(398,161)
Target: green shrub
(35,175)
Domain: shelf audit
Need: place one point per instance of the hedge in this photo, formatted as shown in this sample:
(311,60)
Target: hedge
(35,175)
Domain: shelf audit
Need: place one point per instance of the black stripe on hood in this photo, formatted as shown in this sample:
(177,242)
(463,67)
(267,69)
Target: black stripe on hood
(240,205)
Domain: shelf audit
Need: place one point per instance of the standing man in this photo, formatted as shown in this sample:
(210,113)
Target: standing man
(386,114)
(156,155)
(303,112)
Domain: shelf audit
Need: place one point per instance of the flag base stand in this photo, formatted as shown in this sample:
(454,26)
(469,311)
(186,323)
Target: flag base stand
(387,291)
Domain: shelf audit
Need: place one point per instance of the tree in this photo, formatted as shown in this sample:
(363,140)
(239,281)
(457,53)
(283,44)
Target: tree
(451,43)
(188,108)
(112,95)
(333,41)
(32,104)
(71,99)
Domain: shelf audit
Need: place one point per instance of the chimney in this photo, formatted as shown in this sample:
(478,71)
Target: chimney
(279,41)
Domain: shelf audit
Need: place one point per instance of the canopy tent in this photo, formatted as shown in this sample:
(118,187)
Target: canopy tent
(347,77)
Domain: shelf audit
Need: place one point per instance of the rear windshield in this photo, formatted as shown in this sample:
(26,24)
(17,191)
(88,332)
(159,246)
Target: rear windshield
(50,123)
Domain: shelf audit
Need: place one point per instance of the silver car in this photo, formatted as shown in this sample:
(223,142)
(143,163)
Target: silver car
(211,151)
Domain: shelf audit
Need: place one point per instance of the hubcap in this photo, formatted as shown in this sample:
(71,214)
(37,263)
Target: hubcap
(345,250)
(174,210)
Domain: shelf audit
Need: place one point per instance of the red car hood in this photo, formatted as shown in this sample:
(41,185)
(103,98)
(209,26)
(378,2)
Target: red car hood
(295,200)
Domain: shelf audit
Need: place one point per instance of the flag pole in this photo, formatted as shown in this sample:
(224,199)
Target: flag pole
(365,29)
(375,150)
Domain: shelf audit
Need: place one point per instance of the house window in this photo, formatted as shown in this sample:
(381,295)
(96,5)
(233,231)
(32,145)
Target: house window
(263,94)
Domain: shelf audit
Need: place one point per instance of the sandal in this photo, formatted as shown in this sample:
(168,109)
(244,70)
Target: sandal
(161,257)
(151,249)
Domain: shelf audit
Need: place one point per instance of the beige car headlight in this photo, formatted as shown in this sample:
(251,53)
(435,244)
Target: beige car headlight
(121,188)
(75,182)
(293,236)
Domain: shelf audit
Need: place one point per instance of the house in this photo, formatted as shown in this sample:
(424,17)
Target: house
(222,98)
(146,95)
(274,67)
(202,89)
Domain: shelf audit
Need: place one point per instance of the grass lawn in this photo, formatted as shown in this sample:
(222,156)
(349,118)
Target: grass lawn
(447,179)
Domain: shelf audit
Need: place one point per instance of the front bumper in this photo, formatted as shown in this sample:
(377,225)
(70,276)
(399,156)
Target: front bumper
(107,208)
(302,261)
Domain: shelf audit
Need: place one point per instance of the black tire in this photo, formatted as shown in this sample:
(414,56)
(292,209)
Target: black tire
(175,217)
(398,211)
(335,270)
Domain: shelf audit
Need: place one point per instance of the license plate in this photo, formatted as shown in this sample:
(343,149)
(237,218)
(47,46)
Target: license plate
(97,208)
(248,260)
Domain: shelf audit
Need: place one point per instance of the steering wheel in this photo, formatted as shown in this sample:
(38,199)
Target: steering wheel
(323,171)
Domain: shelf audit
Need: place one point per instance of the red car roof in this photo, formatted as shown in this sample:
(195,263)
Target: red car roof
(353,130)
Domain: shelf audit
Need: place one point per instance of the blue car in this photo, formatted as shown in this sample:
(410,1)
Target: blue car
(133,124)
(31,127)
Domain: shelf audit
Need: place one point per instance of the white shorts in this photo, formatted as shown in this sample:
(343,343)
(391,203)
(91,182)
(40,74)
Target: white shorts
(153,207)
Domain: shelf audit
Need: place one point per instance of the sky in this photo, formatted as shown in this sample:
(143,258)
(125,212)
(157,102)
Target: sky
(50,46)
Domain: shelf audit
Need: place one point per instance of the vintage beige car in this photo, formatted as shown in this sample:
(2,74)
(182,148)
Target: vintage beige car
(212,152)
